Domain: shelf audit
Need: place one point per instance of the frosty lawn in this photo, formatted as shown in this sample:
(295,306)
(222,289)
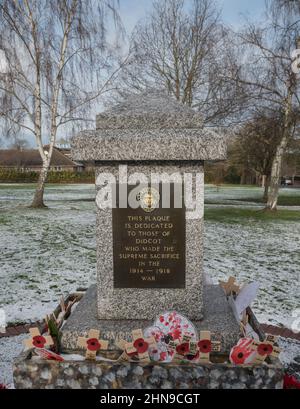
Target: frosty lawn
(47,253)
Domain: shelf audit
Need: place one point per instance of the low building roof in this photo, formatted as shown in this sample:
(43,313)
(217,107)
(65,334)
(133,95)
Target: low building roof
(31,158)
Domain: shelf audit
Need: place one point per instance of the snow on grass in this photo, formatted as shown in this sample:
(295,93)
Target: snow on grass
(258,251)
(248,196)
(290,349)
(256,247)
(46,253)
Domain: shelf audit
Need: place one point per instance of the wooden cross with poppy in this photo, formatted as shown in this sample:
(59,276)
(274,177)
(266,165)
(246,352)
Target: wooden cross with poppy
(184,349)
(230,286)
(206,346)
(37,340)
(92,344)
(139,345)
(181,349)
(265,348)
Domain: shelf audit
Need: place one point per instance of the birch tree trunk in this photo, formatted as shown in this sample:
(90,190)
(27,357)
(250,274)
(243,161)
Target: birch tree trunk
(277,161)
(38,199)
(276,174)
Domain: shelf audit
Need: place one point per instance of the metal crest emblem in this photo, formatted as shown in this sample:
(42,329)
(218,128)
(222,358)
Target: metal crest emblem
(148,198)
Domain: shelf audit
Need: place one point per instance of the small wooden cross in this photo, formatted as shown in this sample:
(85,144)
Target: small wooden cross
(37,340)
(172,345)
(184,350)
(206,346)
(92,344)
(265,348)
(139,345)
(180,348)
(229,286)
(124,356)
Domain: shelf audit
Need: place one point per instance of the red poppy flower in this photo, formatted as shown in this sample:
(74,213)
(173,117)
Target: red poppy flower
(290,382)
(93,344)
(238,357)
(205,346)
(141,345)
(242,353)
(183,349)
(265,349)
(176,334)
(161,318)
(39,341)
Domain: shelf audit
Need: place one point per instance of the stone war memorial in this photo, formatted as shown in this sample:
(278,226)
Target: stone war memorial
(153,319)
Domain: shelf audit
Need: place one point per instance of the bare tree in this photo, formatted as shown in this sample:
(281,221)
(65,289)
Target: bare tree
(57,62)
(19,143)
(186,51)
(271,83)
(289,6)
(254,146)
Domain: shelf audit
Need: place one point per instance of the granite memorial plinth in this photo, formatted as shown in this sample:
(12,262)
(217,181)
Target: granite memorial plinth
(150,261)
(149,154)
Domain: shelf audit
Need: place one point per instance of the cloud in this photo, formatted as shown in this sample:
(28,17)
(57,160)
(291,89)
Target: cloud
(234,11)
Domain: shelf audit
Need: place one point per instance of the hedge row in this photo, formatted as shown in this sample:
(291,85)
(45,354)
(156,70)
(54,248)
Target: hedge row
(15,176)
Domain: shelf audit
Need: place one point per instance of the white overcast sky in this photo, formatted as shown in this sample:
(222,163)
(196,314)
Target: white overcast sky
(232,10)
(234,13)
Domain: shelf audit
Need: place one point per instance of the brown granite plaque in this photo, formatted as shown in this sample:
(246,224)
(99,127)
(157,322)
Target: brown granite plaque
(149,242)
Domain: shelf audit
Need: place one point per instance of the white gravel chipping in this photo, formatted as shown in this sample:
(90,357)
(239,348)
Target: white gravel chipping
(9,348)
